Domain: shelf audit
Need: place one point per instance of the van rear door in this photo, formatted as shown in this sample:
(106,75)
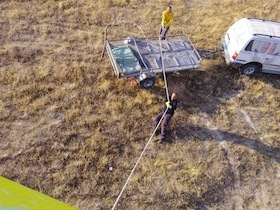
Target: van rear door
(235,39)
(271,63)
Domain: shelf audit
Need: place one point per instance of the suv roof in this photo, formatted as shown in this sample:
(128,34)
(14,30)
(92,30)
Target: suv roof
(263,27)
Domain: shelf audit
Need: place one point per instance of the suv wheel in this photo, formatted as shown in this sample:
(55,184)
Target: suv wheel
(250,69)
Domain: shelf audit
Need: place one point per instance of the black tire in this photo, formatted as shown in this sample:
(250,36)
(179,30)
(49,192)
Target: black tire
(250,69)
(148,82)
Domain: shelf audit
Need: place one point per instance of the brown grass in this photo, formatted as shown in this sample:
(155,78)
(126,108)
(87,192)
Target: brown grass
(65,118)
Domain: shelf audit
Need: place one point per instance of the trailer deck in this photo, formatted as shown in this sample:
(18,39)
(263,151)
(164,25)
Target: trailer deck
(133,57)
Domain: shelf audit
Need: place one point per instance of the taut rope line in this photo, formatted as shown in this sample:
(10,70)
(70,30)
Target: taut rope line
(163,70)
(138,161)
(140,157)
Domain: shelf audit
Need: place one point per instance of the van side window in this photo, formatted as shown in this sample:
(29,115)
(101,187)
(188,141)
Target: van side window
(274,49)
(249,46)
(258,46)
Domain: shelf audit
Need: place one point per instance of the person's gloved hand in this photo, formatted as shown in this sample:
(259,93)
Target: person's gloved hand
(168,105)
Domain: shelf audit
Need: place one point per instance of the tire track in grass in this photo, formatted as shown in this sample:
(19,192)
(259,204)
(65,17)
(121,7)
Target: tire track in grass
(245,116)
(257,144)
(217,135)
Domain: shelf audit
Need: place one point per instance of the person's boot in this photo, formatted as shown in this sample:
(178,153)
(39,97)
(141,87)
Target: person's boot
(161,140)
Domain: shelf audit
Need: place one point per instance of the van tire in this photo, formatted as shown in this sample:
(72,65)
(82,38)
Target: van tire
(148,82)
(250,69)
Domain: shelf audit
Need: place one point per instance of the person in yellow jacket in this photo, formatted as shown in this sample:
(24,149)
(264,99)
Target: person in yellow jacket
(167,19)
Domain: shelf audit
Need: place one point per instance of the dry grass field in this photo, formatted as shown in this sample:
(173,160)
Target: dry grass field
(65,118)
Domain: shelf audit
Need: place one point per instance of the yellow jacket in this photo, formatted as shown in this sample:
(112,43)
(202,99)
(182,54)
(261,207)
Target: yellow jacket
(167,18)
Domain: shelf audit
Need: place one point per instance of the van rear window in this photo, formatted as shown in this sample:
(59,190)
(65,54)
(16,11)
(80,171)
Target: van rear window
(228,37)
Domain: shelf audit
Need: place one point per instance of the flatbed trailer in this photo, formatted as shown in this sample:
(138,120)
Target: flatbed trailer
(144,58)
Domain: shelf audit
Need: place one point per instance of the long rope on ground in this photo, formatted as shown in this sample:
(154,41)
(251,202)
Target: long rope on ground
(140,157)
(138,161)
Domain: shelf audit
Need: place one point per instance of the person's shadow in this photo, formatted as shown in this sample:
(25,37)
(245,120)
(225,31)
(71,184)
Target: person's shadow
(204,134)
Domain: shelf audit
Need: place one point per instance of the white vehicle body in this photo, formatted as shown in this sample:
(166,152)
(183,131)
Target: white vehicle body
(254,45)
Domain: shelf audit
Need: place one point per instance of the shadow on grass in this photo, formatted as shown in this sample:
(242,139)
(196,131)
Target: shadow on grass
(269,79)
(204,133)
(201,90)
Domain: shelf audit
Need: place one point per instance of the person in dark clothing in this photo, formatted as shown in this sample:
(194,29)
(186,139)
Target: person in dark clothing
(171,104)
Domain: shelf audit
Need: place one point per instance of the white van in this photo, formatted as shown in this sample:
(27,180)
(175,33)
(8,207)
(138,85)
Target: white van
(254,45)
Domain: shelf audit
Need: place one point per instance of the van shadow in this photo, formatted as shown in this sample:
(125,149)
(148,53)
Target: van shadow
(204,134)
(269,79)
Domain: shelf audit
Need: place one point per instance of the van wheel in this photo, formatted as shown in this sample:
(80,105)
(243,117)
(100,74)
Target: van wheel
(148,82)
(250,69)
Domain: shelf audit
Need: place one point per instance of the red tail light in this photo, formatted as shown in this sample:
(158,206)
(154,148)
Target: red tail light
(235,55)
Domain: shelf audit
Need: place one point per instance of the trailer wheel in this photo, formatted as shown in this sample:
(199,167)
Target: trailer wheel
(148,82)
(250,69)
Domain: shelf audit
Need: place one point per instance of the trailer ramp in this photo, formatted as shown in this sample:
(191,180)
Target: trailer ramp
(133,57)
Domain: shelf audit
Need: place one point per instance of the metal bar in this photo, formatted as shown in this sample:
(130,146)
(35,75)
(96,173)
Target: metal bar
(208,53)
(115,65)
(105,38)
(140,54)
(168,46)
(191,59)
(176,61)
(195,50)
(118,24)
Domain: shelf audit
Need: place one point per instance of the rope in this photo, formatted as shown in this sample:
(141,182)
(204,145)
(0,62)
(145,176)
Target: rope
(138,161)
(140,157)
(163,70)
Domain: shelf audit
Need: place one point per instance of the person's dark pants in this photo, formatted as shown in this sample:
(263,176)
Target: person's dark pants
(164,123)
(163,32)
